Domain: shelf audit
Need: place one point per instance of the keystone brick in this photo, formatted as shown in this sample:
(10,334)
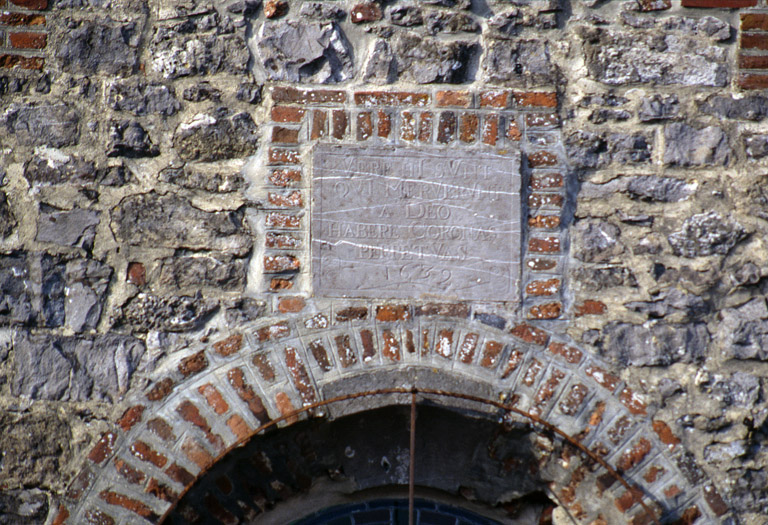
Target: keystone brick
(530,334)
(195,452)
(318,351)
(34,5)
(369,348)
(21,19)
(544,245)
(104,448)
(408,126)
(287,114)
(28,40)
(491,353)
(468,126)
(180,474)
(161,428)
(352,313)
(535,99)
(347,356)
(11,61)
(146,453)
(568,353)
(544,222)
(425,126)
(281,135)
(391,98)
(236,378)
(391,348)
(300,377)
(461,99)
(130,417)
(546,392)
(280,263)
(757,21)
(214,398)
(725,4)
(291,305)
(467,348)
(135,506)
(494,99)
(291,95)
(490,130)
(542,288)
(193,364)
(284,178)
(753,41)
(340,123)
(410,347)
(393,312)
(366,12)
(229,346)
(384,125)
(753,62)
(239,427)
(364,126)
(319,124)
(590,307)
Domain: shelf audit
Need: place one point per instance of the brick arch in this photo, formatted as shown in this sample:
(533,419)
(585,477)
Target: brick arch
(208,398)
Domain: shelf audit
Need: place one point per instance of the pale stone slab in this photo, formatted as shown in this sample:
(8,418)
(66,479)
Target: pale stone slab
(415,223)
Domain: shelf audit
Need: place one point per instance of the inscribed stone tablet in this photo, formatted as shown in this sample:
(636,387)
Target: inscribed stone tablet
(415,223)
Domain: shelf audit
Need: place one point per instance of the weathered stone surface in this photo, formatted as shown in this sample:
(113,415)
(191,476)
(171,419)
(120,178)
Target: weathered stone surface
(249,92)
(523,62)
(128,138)
(202,91)
(504,25)
(752,107)
(175,53)
(321,11)
(596,241)
(587,149)
(406,15)
(381,67)
(297,51)
(99,46)
(688,146)
(626,58)
(52,166)
(447,22)
(173,314)
(172,222)
(244,309)
(660,189)
(738,389)
(427,60)
(671,302)
(15,290)
(214,178)
(596,279)
(23,506)
(658,107)
(743,331)
(216,136)
(74,368)
(708,25)
(42,125)
(215,270)
(756,146)
(706,234)
(75,227)
(656,344)
(7,219)
(142,98)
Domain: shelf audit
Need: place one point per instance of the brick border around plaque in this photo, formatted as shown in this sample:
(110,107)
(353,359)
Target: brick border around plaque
(496,121)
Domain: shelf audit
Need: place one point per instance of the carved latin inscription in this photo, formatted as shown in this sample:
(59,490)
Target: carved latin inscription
(407,223)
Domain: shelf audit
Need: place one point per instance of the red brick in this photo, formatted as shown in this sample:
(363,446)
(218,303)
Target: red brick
(369,347)
(146,453)
(408,126)
(286,408)
(603,378)
(104,448)
(287,305)
(545,311)
(191,414)
(364,126)
(634,456)
(727,4)
(653,473)
(535,99)
(491,353)
(281,220)
(542,288)
(287,114)
(285,177)
(28,40)
(462,99)
(193,364)
(229,346)
(443,309)
(513,131)
(135,506)
(757,21)
(80,484)
(280,263)
(530,334)
(541,120)
(444,343)
(273,332)
(570,354)
(277,284)
(346,355)
(753,81)
(754,41)
(239,427)
(542,158)
(494,99)
(340,124)
(132,475)
(21,19)
(490,130)
(35,5)
(544,222)
(425,342)
(275,8)
(214,398)
(195,452)
(533,371)
(539,200)
(12,61)
(689,516)
(393,312)
(365,12)
(544,245)
(714,500)
(281,135)
(98,517)
(753,62)
(300,377)
(468,127)
(180,474)
(130,417)
(391,98)
(425,126)
(410,347)
(161,491)
(283,156)
(546,181)
(590,307)
(62,516)
(136,274)
(352,313)
(391,348)
(633,403)
(236,378)
(665,434)
(467,348)
(281,240)
(570,404)
(384,122)
(161,428)
(546,392)
(628,499)
(540,264)
(320,354)
(319,124)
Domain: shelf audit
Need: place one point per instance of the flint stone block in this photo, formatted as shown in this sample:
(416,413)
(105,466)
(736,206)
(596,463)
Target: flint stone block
(446,22)
(129,139)
(688,146)
(743,332)
(706,234)
(596,279)
(44,125)
(296,51)
(659,189)
(217,270)
(406,15)
(425,60)
(65,368)
(321,11)
(172,222)
(596,150)
(752,107)
(756,146)
(381,67)
(669,303)
(175,54)
(521,62)
(172,314)
(99,46)
(656,345)
(740,389)
(15,290)
(221,135)
(596,241)
(214,178)
(75,227)
(7,219)
(141,98)
(658,107)
(619,59)
(22,507)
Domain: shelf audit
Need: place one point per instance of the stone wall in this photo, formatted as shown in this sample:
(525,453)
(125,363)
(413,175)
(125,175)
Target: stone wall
(155,190)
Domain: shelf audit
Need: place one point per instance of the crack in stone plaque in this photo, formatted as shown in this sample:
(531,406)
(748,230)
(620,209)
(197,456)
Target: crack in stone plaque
(411,223)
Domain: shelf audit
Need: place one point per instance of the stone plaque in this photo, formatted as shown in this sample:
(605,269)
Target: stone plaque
(415,223)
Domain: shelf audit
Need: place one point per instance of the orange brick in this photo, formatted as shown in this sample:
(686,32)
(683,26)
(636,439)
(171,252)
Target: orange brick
(287,114)
(494,99)
(239,427)
(291,304)
(468,127)
(130,417)
(197,454)
(193,364)
(214,398)
(461,99)
(490,130)
(391,98)
(236,378)
(229,346)
(146,453)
